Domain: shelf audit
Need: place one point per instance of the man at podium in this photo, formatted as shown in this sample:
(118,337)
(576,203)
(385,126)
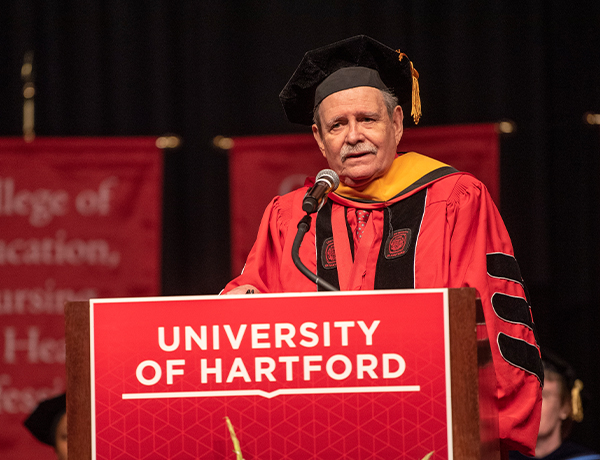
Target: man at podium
(398,219)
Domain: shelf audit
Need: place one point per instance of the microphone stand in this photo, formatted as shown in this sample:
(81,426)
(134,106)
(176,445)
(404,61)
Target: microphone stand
(303,227)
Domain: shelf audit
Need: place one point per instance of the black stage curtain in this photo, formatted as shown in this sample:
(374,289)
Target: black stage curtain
(200,69)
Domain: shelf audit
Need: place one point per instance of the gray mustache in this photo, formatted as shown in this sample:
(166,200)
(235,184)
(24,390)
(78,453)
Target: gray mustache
(361,147)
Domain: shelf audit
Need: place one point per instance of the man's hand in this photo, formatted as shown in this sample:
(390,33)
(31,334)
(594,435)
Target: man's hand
(243,289)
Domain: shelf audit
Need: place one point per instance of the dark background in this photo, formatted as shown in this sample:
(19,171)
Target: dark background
(200,69)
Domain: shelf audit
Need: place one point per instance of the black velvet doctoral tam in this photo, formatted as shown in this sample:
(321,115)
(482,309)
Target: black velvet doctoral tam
(356,61)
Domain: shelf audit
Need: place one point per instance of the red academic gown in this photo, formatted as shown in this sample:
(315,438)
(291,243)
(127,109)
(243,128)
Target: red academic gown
(441,230)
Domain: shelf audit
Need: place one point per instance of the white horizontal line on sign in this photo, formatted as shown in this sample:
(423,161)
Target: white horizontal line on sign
(272,394)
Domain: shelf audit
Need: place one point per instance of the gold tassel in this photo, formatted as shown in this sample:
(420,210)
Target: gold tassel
(416,98)
(577,406)
(236,443)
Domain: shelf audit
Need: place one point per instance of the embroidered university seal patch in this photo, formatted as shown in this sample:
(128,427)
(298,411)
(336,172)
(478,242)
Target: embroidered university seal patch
(397,244)
(328,254)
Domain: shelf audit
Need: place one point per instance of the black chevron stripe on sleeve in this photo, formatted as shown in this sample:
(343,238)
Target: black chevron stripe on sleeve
(512,309)
(503,266)
(521,354)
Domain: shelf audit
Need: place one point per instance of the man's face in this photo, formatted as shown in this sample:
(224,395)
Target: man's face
(357,136)
(553,411)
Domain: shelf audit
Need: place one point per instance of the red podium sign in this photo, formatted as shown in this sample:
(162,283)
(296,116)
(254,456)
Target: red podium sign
(336,375)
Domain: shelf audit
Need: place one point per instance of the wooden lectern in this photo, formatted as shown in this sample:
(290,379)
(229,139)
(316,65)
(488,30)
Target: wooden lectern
(378,374)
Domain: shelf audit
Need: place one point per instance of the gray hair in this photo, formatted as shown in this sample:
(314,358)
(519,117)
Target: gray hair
(389,100)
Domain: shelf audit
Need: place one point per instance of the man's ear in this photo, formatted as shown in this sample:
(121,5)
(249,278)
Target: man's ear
(565,410)
(398,122)
(317,135)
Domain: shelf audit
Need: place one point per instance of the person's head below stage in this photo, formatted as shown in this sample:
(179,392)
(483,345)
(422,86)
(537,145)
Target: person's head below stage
(561,406)
(48,423)
(558,412)
(350,93)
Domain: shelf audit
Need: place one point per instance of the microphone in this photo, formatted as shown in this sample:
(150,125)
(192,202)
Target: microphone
(326,182)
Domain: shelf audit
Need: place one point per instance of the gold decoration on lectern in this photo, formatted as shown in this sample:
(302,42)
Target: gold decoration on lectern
(236,444)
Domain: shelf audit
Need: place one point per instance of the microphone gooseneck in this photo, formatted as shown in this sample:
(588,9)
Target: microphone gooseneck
(303,227)
(325,182)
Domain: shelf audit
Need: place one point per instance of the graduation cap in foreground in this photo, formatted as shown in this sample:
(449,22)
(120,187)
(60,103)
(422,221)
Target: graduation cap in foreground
(356,61)
(44,419)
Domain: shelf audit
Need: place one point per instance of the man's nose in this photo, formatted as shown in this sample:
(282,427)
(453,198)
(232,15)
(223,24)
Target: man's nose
(355,134)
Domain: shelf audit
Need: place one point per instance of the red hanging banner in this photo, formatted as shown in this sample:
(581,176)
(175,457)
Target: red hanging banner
(79,218)
(265,166)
